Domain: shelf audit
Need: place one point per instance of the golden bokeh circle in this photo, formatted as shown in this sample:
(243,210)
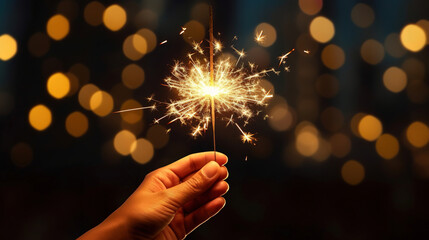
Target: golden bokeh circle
(8,47)
(387,146)
(310,7)
(362,15)
(395,79)
(58,27)
(58,85)
(269,33)
(101,103)
(372,51)
(76,124)
(353,172)
(333,56)
(322,29)
(124,142)
(413,37)
(85,94)
(40,117)
(370,128)
(142,151)
(114,17)
(93,13)
(418,134)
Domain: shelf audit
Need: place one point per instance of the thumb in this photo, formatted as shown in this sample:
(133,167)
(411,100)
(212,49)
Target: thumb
(195,186)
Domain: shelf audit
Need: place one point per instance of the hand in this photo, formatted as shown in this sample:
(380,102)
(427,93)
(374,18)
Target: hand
(170,202)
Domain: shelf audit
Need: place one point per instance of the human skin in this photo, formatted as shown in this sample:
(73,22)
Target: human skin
(170,202)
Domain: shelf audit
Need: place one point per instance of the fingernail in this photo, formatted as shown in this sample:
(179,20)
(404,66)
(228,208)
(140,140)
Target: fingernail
(210,169)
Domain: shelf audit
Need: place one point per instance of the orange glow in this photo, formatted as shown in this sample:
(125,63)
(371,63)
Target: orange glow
(322,29)
(418,134)
(370,128)
(387,146)
(114,17)
(40,117)
(101,103)
(8,47)
(76,124)
(124,142)
(142,151)
(58,85)
(413,37)
(58,27)
(353,172)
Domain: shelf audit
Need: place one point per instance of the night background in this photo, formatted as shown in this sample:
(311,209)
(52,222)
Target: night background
(343,152)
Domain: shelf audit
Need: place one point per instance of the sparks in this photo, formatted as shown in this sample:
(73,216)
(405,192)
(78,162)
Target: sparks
(283,57)
(163,42)
(241,54)
(259,37)
(287,68)
(183,31)
(153,107)
(307,51)
(245,137)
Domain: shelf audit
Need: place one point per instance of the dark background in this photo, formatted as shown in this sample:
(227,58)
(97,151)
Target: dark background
(70,185)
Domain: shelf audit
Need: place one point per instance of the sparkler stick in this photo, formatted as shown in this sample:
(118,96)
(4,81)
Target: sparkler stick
(212,81)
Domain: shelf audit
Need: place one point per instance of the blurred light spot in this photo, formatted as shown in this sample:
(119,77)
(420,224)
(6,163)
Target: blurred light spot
(114,17)
(93,13)
(362,15)
(200,12)
(306,43)
(8,47)
(370,128)
(333,56)
(340,145)
(40,117)
(158,136)
(413,37)
(327,85)
(324,150)
(143,151)
(387,146)
(129,49)
(424,24)
(101,103)
(310,7)
(74,83)
(418,91)
(6,103)
(414,68)
(280,118)
(132,116)
(85,94)
(124,142)
(353,172)
(21,154)
(332,119)
(139,44)
(322,29)
(132,76)
(418,134)
(149,37)
(372,51)
(38,44)
(195,32)
(307,141)
(81,72)
(393,46)
(269,33)
(68,8)
(354,123)
(58,27)
(76,124)
(58,85)
(395,79)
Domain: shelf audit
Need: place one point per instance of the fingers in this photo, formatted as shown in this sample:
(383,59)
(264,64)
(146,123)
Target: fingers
(218,189)
(204,213)
(223,174)
(194,162)
(179,195)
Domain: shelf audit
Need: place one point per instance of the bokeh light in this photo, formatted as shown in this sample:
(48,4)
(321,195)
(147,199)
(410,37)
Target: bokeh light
(142,151)
(395,79)
(8,47)
(310,7)
(195,32)
(370,128)
(139,43)
(413,37)
(418,134)
(387,146)
(149,37)
(21,154)
(362,15)
(129,48)
(114,17)
(101,103)
(85,95)
(158,136)
(322,29)
(372,51)
(132,76)
(353,172)
(333,56)
(93,13)
(58,85)
(76,124)
(393,46)
(40,117)
(340,145)
(38,44)
(58,27)
(124,142)
(132,116)
(281,119)
(269,34)
(307,141)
